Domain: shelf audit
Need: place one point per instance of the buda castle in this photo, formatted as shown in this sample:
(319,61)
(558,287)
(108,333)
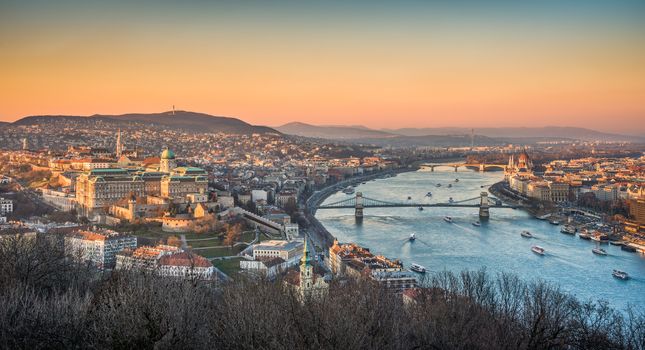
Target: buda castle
(98,189)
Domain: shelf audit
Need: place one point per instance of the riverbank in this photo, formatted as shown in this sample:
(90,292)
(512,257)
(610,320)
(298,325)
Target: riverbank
(320,234)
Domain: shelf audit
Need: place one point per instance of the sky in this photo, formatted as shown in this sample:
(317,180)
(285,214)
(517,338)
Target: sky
(382,64)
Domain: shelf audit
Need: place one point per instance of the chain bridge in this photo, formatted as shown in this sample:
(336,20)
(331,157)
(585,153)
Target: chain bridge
(359,203)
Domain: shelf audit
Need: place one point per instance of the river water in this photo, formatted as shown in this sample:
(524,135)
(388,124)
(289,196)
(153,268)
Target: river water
(496,245)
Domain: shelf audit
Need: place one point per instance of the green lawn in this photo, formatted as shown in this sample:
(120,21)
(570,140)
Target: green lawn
(217,252)
(228,266)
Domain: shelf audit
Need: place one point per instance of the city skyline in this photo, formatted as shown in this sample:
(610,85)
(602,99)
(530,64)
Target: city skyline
(415,64)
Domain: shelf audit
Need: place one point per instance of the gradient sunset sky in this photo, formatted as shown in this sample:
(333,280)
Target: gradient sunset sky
(380,64)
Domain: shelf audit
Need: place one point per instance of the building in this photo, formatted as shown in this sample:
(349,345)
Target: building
(143,258)
(6,206)
(306,283)
(285,250)
(167,261)
(354,261)
(98,189)
(637,210)
(268,267)
(186,265)
(98,247)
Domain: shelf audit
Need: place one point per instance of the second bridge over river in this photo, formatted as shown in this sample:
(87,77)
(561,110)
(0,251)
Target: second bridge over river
(359,203)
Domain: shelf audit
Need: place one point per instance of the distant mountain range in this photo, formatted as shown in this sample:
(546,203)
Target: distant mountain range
(332,131)
(551,132)
(190,121)
(425,135)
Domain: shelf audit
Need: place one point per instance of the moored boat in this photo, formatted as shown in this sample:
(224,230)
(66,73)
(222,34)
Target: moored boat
(417,268)
(568,229)
(620,274)
(537,250)
(554,222)
(584,235)
(526,234)
(628,248)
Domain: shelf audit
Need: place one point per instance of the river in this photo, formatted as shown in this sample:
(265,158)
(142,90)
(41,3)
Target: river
(496,245)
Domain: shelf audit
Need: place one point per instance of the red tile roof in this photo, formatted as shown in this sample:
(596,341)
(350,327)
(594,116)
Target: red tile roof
(184,259)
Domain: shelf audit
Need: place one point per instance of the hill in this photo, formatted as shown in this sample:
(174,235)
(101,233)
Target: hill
(332,132)
(191,121)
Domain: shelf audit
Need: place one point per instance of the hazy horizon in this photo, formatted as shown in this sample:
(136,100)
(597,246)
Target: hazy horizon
(384,65)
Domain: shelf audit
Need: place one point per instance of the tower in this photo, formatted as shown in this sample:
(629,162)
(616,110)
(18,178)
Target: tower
(358,210)
(484,206)
(25,144)
(167,161)
(306,271)
(119,146)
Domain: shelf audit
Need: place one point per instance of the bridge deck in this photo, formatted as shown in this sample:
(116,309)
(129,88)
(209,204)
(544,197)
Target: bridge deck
(414,205)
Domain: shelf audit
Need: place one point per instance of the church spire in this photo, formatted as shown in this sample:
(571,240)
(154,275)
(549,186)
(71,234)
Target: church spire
(306,256)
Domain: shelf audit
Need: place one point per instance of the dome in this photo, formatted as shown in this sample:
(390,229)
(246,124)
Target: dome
(524,157)
(167,154)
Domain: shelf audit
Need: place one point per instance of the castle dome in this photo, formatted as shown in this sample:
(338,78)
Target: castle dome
(167,154)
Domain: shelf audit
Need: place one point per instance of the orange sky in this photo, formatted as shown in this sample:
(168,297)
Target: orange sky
(375,68)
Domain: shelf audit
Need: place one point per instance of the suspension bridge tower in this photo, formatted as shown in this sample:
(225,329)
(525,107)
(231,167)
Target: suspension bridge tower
(358,211)
(484,206)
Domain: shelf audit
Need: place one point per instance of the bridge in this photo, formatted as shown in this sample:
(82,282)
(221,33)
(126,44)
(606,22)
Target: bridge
(482,166)
(358,203)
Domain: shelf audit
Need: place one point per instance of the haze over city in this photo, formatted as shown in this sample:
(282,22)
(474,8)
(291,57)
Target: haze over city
(404,64)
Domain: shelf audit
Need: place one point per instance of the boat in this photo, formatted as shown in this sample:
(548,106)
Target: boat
(417,268)
(456,180)
(620,274)
(476,224)
(447,219)
(568,229)
(348,190)
(449,185)
(599,251)
(600,238)
(554,222)
(413,236)
(537,250)
(363,183)
(543,217)
(438,185)
(584,236)
(628,248)
(616,242)
(420,208)
(429,194)
(526,234)
(450,200)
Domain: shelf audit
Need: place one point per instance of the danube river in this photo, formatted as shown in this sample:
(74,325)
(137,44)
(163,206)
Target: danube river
(496,245)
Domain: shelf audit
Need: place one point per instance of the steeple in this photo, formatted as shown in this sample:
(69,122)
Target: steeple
(306,257)
(306,270)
